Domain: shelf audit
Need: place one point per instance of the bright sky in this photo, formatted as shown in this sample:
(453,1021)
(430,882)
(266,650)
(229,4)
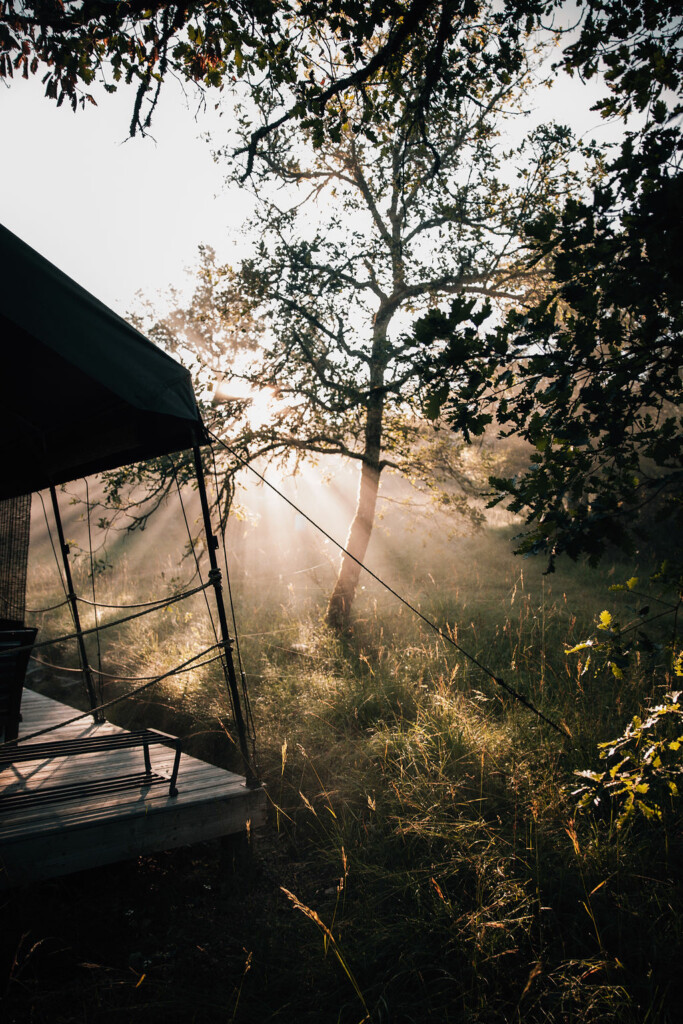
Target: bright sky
(116,214)
(121,215)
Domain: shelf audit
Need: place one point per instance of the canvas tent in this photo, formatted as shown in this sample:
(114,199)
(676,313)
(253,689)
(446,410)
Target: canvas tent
(80,389)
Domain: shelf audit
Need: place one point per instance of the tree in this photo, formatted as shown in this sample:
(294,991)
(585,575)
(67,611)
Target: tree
(262,44)
(382,224)
(208,336)
(593,369)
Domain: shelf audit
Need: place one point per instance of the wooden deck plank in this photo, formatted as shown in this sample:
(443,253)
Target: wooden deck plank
(35,775)
(130,803)
(58,837)
(193,778)
(106,842)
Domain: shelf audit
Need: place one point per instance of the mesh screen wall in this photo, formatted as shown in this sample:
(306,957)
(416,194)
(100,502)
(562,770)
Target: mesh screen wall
(15,527)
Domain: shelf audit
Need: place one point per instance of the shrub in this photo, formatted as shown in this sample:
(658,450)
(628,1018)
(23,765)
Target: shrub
(643,767)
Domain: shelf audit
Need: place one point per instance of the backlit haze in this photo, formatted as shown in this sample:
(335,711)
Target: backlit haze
(119,215)
(125,216)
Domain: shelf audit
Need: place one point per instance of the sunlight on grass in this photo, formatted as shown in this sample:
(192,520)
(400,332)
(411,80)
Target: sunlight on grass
(472,889)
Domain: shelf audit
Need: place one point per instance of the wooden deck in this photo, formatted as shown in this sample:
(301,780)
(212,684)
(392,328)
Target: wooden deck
(45,838)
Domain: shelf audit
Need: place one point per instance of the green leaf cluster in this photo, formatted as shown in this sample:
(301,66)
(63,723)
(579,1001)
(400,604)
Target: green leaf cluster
(590,371)
(646,638)
(642,771)
(269,44)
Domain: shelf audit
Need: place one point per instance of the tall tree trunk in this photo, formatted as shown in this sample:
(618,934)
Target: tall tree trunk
(339,607)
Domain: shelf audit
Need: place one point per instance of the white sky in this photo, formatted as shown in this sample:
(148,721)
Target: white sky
(121,215)
(114,213)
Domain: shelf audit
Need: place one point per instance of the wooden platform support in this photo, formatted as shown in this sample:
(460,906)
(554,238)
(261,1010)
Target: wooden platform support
(45,839)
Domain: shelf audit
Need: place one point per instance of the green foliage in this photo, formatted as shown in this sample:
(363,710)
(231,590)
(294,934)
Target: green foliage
(644,765)
(646,636)
(635,45)
(268,46)
(590,372)
(598,369)
(643,769)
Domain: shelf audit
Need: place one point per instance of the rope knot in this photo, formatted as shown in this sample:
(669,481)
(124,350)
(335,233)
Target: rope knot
(215,576)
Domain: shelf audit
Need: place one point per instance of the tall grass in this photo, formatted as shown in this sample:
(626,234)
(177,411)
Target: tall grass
(434,854)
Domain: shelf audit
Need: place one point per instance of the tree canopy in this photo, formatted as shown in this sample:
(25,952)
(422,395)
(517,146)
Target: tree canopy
(363,228)
(268,46)
(591,372)
(587,368)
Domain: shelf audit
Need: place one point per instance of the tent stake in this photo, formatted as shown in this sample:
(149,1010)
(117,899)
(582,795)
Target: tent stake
(226,639)
(71,595)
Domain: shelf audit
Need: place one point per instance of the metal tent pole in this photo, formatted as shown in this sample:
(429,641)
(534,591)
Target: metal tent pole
(226,640)
(71,595)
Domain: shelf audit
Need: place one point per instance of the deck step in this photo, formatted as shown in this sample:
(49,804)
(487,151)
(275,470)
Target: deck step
(108,810)
(79,790)
(104,743)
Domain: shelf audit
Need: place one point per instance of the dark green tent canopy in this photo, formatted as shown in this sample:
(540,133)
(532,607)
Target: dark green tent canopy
(80,389)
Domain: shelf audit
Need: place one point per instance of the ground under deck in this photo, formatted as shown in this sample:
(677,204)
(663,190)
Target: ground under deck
(56,837)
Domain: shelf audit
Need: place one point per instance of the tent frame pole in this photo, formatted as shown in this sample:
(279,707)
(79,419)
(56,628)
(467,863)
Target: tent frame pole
(215,578)
(98,717)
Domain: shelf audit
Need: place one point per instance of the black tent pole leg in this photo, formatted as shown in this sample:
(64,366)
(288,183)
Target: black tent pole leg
(71,594)
(226,640)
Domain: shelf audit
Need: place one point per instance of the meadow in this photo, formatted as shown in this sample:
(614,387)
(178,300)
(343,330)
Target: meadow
(425,859)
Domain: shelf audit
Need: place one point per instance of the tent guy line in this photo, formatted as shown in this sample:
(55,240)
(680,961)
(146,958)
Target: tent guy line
(122,696)
(561,730)
(115,675)
(106,625)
